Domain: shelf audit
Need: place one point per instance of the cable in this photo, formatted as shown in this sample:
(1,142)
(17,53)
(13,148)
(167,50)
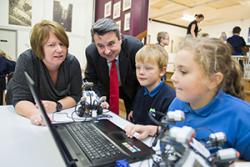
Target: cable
(167,119)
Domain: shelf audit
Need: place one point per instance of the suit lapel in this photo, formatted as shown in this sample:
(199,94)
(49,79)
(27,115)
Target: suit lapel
(123,66)
(103,69)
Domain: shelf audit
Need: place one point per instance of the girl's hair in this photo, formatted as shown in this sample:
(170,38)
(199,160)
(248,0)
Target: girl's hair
(199,15)
(214,56)
(40,34)
(152,53)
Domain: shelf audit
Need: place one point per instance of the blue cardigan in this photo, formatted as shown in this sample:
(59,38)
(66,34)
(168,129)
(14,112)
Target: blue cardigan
(225,113)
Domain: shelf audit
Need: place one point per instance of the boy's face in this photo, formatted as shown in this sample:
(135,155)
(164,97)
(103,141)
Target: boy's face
(190,81)
(149,74)
(108,45)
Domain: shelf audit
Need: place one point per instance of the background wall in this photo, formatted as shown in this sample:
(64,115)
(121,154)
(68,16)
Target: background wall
(215,31)
(175,33)
(178,33)
(83,17)
(138,15)
(79,37)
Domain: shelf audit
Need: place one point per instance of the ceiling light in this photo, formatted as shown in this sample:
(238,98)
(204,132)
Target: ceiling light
(187,17)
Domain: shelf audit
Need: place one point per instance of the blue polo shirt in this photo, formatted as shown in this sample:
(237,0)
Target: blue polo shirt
(158,100)
(225,113)
(237,42)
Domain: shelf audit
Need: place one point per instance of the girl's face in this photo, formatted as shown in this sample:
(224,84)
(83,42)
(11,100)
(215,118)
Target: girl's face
(149,74)
(189,79)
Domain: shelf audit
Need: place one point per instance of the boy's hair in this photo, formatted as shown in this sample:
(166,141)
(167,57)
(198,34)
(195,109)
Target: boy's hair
(214,55)
(152,53)
(40,34)
(236,30)
(103,26)
(161,35)
(2,53)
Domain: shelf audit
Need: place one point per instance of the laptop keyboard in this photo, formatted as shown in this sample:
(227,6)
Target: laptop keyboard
(92,142)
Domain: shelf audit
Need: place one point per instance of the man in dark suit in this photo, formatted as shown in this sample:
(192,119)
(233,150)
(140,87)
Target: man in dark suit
(108,45)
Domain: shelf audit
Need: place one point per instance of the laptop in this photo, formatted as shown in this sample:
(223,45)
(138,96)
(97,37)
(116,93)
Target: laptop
(92,143)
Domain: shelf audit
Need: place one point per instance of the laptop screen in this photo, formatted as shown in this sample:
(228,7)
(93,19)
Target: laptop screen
(70,140)
(64,153)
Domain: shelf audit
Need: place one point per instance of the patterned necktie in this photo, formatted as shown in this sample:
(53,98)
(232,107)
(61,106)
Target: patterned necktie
(114,89)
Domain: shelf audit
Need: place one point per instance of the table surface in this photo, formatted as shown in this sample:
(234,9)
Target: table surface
(23,144)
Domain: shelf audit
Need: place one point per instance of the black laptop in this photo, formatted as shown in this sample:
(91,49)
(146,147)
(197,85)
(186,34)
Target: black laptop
(92,143)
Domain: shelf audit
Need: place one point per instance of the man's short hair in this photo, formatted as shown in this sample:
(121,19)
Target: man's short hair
(103,26)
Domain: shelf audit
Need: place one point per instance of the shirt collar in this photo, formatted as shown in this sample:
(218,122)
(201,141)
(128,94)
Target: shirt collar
(154,91)
(207,109)
(109,62)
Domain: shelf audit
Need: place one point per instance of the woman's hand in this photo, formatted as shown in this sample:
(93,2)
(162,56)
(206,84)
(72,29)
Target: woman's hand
(36,119)
(50,106)
(31,111)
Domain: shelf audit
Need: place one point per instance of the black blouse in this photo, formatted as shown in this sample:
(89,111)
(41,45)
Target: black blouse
(69,80)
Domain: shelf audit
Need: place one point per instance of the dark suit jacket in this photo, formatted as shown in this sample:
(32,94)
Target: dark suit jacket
(97,70)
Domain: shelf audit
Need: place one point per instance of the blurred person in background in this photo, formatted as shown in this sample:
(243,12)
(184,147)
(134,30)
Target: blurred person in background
(193,28)
(7,67)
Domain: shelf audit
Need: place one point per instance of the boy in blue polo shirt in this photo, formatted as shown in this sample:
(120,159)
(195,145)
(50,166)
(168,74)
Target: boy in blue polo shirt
(155,95)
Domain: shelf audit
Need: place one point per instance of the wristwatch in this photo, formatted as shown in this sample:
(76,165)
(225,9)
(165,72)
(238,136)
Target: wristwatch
(58,106)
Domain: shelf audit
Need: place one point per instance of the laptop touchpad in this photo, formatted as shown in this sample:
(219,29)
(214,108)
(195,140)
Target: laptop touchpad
(120,136)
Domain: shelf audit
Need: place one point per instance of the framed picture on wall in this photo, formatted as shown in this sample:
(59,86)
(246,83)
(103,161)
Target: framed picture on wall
(117,10)
(20,12)
(107,9)
(59,9)
(126,5)
(126,22)
(119,24)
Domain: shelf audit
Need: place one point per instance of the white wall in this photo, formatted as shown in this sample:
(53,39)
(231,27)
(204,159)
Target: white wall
(82,19)
(79,37)
(176,34)
(213,31)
